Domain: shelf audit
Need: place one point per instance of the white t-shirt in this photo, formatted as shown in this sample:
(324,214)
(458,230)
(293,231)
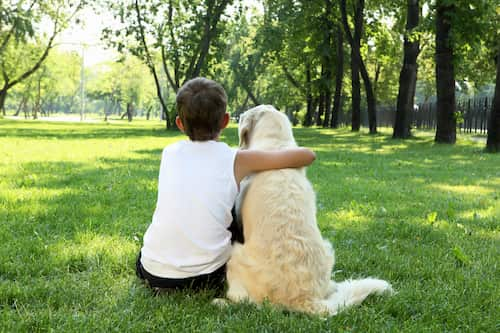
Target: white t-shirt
(188,235)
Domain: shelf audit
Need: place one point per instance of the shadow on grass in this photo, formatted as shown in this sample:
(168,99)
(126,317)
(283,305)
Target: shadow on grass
(76,222)
(60,130)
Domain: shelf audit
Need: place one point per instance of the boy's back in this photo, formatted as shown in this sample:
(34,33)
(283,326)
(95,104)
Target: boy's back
(188,235)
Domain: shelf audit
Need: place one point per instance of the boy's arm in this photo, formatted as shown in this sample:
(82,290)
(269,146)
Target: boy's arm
(250,161)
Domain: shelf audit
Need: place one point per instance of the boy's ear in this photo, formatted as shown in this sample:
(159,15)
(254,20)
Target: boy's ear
(245,126)
(225,121)
(178,122)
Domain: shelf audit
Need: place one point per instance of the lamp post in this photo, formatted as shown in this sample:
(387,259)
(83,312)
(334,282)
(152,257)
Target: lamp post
(82,48)
(82,75)
(82,84)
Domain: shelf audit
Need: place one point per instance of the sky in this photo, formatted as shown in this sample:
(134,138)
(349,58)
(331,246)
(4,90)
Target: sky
(86,35)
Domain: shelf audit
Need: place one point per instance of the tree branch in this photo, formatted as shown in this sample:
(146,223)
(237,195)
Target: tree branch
(165,69)
(292,80)
(13,28)
(210,27)
(44,55)
(174,47)
(149,60)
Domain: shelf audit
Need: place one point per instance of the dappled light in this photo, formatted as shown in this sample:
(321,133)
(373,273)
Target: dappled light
(468,190)
(76,200)
(91,252)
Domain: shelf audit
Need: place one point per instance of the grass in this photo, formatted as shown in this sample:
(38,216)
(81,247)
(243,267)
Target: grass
(75,200)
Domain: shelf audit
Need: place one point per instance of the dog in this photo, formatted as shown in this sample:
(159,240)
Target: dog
(284,259)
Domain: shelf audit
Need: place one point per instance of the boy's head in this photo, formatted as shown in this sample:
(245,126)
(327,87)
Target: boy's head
(201,108)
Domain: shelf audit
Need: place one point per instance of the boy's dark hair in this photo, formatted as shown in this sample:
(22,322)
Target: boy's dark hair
(201,105)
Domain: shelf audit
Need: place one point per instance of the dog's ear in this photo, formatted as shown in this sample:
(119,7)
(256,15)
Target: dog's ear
(245,127)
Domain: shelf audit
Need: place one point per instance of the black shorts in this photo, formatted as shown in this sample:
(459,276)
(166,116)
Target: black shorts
(213,281)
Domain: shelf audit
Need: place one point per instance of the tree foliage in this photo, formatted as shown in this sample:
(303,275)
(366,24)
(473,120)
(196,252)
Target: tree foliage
(22,37)
(173,36)
(290,53)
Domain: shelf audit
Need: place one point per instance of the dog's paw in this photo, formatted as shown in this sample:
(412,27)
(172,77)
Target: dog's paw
(220,302)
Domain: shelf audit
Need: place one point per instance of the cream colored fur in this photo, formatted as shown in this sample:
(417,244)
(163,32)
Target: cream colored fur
(284,258)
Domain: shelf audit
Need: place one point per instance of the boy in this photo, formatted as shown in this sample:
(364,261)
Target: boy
(188,242)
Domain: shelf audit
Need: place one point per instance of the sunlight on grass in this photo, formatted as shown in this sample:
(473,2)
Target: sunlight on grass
(76,199)
(89,251)
(470,190)
(343,219)
(28,196)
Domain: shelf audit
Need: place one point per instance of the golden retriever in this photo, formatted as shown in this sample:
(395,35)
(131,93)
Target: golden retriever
(284,259)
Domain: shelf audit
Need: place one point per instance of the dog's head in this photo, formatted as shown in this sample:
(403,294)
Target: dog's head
(265,127)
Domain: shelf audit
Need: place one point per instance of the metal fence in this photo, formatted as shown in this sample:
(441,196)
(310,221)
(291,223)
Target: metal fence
(472,115)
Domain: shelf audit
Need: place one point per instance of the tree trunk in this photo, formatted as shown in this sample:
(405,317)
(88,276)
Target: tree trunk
(355,62)
(445,78)
(26,110)
(321,109)
(408,75)
(3,95)
(328,61)
(356,94)
(337,104)
(355,43)
(37,104)
(370,98)
(151,65)
(20,107)
(328,107)
(130,111)
(250,94)
(309,98)
(493,142)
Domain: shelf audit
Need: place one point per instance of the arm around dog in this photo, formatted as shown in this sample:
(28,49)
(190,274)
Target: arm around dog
(250,161)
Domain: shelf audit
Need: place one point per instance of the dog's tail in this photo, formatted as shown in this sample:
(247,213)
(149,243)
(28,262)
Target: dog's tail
(352,292)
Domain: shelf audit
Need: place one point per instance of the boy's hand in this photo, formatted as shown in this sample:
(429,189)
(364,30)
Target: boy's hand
(250,161)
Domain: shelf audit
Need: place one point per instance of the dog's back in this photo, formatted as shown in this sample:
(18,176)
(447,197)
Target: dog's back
(291,260)
(284,258)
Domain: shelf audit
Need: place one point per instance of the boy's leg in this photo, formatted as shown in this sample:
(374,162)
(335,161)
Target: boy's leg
(214,280)
(138,267)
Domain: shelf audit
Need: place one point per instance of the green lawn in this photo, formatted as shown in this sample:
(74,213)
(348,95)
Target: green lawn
(75,200)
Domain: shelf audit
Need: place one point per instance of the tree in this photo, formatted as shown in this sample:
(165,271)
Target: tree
(339,75)
(355,81)
(445,75)
(408,75)
(18,30)
(174,35)
(245,55)
(461,26)
(356,59)
(50,89)
(493,141)
(122,87)
(291,37)
(301,37)
(327,55)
